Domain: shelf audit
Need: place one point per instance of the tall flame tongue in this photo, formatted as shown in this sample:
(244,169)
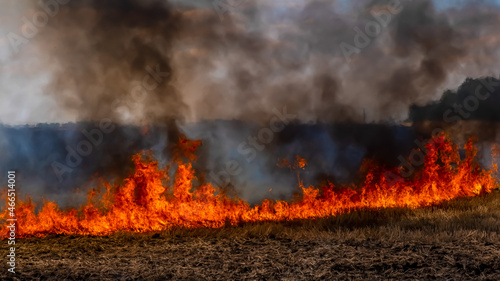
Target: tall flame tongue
(144,204)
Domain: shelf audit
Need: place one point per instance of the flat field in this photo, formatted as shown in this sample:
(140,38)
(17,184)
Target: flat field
(456,240)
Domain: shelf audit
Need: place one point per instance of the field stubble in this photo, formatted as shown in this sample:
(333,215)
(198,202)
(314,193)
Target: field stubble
(456,240)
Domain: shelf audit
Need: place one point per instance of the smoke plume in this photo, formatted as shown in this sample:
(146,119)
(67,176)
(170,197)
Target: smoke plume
(146,61)
(348,73)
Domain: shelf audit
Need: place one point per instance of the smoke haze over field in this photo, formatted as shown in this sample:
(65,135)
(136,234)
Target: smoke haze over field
(149,61)
(347,73)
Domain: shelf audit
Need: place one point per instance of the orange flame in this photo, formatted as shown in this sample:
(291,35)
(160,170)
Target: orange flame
(142,203)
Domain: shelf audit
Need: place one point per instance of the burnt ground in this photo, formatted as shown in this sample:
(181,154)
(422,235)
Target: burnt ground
(459,240)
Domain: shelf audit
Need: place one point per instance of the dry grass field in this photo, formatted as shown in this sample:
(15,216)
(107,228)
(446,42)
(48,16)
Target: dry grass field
(456,240)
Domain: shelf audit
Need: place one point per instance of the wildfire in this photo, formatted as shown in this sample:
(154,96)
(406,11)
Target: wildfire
(143,203)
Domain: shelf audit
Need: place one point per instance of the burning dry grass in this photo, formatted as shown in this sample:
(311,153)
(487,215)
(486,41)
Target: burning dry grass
(144,204)
(459,239)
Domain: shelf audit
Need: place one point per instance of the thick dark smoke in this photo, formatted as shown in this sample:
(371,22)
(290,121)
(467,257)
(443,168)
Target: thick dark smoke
(44,155)
(159,69)
(112,59)
(245,62)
